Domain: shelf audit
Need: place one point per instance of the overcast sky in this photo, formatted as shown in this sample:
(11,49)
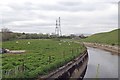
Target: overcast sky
(77,16)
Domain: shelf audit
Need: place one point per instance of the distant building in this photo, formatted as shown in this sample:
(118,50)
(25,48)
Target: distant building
(82,36)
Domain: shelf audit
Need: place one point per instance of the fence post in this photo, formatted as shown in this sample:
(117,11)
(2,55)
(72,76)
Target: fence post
(64,55)
(49,59)
(16,70)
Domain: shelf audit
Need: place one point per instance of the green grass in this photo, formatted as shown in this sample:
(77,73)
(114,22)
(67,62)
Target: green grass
(110,38)
(41,56)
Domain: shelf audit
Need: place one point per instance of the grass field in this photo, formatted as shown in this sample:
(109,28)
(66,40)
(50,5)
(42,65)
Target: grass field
(110,38)
(41,57)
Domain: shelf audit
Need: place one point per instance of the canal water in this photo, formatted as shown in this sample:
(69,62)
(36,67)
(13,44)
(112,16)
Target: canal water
(101,64)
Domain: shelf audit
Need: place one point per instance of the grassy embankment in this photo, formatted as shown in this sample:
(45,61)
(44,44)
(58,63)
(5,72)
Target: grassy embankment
(41,57)
(110,38)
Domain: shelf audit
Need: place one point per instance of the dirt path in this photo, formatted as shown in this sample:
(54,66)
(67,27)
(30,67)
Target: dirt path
(17,51)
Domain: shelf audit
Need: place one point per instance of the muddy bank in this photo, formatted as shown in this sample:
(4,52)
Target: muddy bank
(114,49)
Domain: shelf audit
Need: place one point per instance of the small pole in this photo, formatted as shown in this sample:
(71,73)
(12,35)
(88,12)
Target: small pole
(97,71)
(49,59)
(64,55)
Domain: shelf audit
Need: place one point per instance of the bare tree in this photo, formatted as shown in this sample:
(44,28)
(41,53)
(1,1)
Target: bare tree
(6,34)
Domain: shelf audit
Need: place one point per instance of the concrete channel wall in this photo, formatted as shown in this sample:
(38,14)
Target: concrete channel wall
(75,69)
(113,49)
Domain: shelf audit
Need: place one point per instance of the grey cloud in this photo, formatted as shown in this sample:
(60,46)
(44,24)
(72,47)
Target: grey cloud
(19,15)
(60,6)
(40,25)
(70,22)
(73,3)
(25,6)
(71,7)
(32,29)
(12,19)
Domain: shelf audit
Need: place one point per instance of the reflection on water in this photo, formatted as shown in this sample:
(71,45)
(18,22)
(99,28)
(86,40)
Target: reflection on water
(108,64)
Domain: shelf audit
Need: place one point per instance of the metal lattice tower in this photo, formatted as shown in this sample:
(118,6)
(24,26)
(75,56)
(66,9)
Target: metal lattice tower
(58,28)
(60,33)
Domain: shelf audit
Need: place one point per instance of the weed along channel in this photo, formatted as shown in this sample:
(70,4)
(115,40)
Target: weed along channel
(44,58)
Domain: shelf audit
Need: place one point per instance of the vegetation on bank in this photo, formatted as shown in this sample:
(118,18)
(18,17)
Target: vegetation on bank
(41,57)
(110,38)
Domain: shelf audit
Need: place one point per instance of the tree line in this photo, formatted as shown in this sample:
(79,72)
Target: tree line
(9,35)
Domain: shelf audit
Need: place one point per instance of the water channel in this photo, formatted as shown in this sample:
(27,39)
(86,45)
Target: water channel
(101,64)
